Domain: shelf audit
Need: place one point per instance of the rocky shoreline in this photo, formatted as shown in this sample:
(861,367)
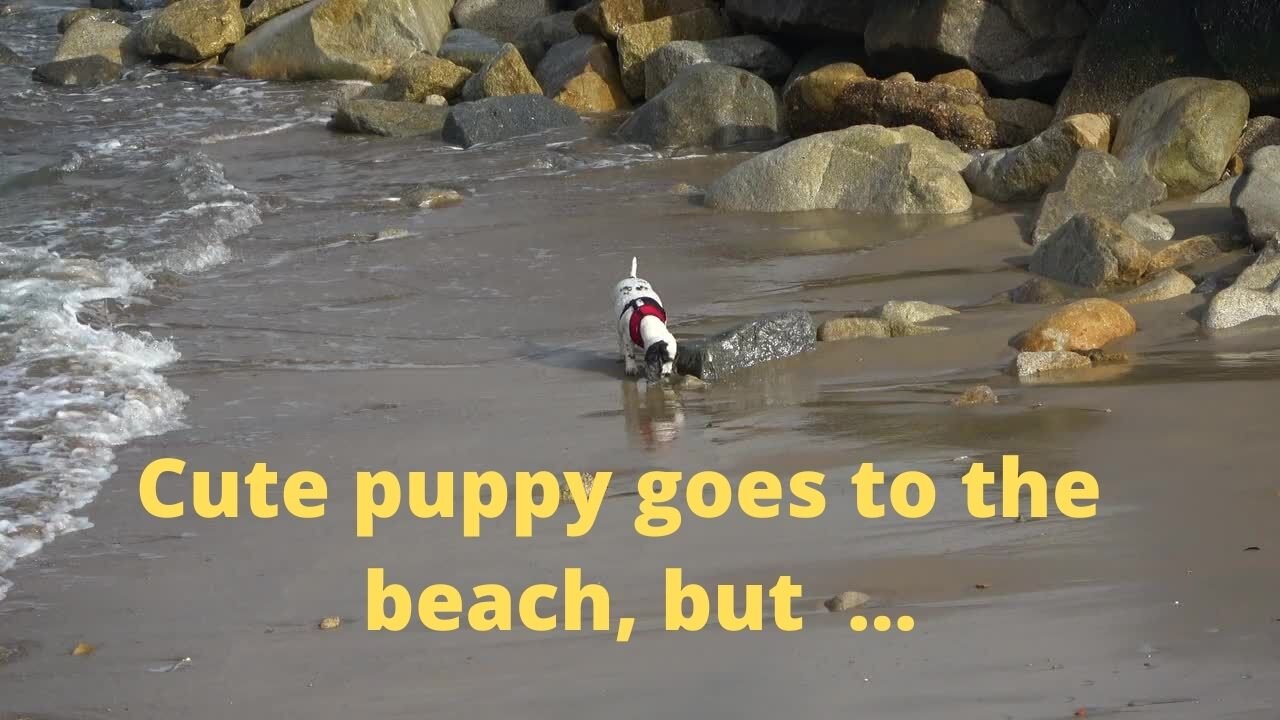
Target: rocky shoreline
(1094,111)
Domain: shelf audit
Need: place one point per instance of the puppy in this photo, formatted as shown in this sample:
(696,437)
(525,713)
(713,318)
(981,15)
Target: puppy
(642,328)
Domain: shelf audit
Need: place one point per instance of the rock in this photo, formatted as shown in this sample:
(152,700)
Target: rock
(765,339)
(1025,172)
(582,74)
(607,18)
(1256,198)
(848,328)
(423,75)
(1258,133)
(1243,39)
(1018,121)
(1097,183)
(1037,291)
(752,53)
(840,20)
(1018,48)
(433,198)
(1091,251)
(501,19)
(470,49)
(502,76)
(543,34)
(846,601)
(1082,326)
(319,41)
(1029,364)
(948,112)
(118,17)
(1166,285)
(1218,194)
(1183,132)
(503,118)
(389,118)
(814,96)
(901,314)
(82,649)
(190,30)
(260,11)
(637,42)
(1255,294)
(861,169)
(1148,228)
(9,57)
(976,395)
(821,57)
(964,79)
(78,72)
(1186,252)
(707,105)
(330,623)
(903,77)
(92,37)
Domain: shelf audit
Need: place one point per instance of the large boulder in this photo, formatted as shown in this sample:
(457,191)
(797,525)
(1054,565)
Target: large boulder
(765,339)
(752,53)
(1025,172)
(260,11)
(92,37)
(78,72)
(1082,326)
(469,48)
(389,118)
(947,111)
(867,168)
(607,18)
(707,105)
(1091,251)
(191,30)
(582,74)
(1098,183)
(501,19)
(1017,48)
(1183,132)
(842,20)
(506,74)
(1256,198)
(1255,294)
(1243,39)
(543,34)
(637,42)
(422,76)
(503,118)
(319,41)
(1017,121)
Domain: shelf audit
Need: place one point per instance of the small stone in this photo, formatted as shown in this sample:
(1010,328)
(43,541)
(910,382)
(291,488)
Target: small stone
(904,77)
(1166,285)
(1028,364)
(82,649)
(964,79)
(330,623)
(847,600)
(1185,252)
(847,328)
(900,313)
(685,189)
(433,198)
(976,395)
(1148,228)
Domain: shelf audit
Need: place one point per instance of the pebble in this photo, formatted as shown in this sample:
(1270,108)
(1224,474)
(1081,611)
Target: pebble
(976,395)
(330,623)
(82,649)
(847,601)
(432,198)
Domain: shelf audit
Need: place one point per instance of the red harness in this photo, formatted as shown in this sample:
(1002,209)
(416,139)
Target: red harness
(641,308)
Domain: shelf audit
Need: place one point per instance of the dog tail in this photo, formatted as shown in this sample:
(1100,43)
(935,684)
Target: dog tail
(633,267)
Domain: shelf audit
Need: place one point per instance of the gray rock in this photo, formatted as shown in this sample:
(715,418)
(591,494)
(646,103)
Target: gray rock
(1243,39)
(544,33)
(1029,364)
(752,53)
(469,48)
(1183,132)
(1097,183)
(637,42)
(1256,199)
(1166,285)
(707,105)
(1018,121)
(842,20)
(260,11)
(1259,132)
(1091,251)
(78,72)
(580,73)
(1025,172)
(765,339)
(1016,48)
(503,118)
(867,168)
(389,118)
(1148,228)
(118,17)
(9,57)
(1255,294)
(501,19)
(92,37)
(1220,193)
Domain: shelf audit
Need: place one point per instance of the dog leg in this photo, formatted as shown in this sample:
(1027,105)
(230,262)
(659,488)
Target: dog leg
(633,368)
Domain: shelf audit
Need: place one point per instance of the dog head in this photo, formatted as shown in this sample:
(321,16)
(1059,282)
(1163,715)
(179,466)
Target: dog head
(658,359)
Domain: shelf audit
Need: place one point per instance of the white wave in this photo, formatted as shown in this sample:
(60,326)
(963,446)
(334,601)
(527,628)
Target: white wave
(214,139)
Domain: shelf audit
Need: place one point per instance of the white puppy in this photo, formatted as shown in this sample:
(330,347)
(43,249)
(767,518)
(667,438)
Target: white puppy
(642,327)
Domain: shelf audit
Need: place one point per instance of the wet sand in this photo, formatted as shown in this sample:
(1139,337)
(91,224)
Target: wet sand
(480,340)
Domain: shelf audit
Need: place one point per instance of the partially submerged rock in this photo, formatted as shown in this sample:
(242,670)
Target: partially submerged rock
(752,53)
(846,601)
(1256,198)
(432,197)
(389,118)
(1185,252)
(581,74)
(765,339)
(1030,364)
(1183,132)
(975,396)
(1097,183)
(501,19)
(902,314)
(896,318)
(191,30)
(1025,172)
(1082,326)
(707,105)
(78,72)
(1164,286)
(503,118)
(1255,294)
(637,42)
(1091,251)
(422,75)
(110,15)
(862,169)
(849,328)
(9,57)
(505,74)
(92,37)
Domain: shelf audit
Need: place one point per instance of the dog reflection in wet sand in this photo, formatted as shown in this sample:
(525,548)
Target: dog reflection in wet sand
(653,414)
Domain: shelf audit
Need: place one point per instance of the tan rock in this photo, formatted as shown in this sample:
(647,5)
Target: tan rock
(976,395)
(1029,364)
(607,18)
(89,37)
(847,600)
(1185,252)
(424,75)
(582,74)
(965,79)
(1082,326)
(901,77)
(637,42)
(1090,130)
(1166,285)
(260,11)
(191,30)
(506,74)
(819,91)
(847,328)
